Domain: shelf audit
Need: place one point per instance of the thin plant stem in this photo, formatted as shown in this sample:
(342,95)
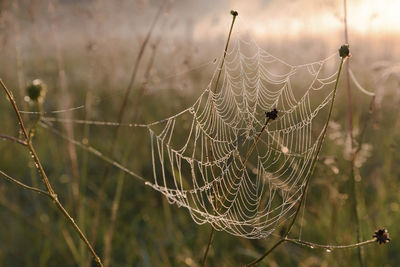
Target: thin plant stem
(70,243)
(39,226)
(34,189)
(81,205)
(210,239)
(108,237)
(330,247)
(101,193)
(244,163)
(249,152)
(225,50)
(314,163)
(16,211)
(32,130)
(45,179)
(13,139)
(212,233)
(350,131)
(314,245)
(364,128)
(66,100)
(18,52)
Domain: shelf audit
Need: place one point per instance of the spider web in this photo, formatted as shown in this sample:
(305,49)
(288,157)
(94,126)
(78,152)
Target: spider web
(201,158)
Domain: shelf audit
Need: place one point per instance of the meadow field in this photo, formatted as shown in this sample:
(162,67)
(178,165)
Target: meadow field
(89,77)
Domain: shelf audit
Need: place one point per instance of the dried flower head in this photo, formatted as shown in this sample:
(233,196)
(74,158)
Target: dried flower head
(273,114)
(382,236)
(344,51)
(36,91)
(234,13)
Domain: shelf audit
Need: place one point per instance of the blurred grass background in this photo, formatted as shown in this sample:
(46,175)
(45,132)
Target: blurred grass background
(98,42)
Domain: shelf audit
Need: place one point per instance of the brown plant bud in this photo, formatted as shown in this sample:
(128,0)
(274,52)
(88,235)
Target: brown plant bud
(382,236)
(344,51)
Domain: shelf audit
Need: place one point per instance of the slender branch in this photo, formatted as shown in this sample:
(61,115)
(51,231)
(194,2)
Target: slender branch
(234,14)
(65,99)
(18,52)
(37,190)
(364,128)
(210,240)
(314,163)
(350,132)
(14,139)
(277,244)
(70,243)
(314,245)
(41,227)
(244,162)
(212,233)
(319,146)
(38,118)
(121,114)
(250,151)
(330,247)
(108,236)
(45,179)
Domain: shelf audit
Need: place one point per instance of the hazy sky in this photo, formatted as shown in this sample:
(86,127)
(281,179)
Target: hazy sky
(277,17)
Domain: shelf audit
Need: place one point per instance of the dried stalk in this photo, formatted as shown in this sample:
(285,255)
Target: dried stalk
(66,100)
(24,186)
(329,248)
(108,237)
(13,139)
(212,233)
(313,164)
(101,193)
(350,132)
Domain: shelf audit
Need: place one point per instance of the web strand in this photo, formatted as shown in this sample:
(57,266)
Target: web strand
(248,199)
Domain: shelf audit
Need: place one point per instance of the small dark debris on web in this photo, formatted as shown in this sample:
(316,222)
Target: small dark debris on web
(273,114)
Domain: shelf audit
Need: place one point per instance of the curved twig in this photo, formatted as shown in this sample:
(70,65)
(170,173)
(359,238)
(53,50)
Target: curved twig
(14,139)
(37,190)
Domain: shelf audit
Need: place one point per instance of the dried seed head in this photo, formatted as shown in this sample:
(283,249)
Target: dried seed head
(234,13)
(382,236)
(36,91)
(273,114)
(344,51)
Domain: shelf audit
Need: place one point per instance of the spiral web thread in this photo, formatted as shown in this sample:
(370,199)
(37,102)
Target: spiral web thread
(198,155)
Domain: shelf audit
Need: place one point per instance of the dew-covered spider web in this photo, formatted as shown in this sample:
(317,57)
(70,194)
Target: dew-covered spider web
(201,157)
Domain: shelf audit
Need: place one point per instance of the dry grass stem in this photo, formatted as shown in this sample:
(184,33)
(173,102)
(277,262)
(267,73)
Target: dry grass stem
(101,193)
(313,164)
